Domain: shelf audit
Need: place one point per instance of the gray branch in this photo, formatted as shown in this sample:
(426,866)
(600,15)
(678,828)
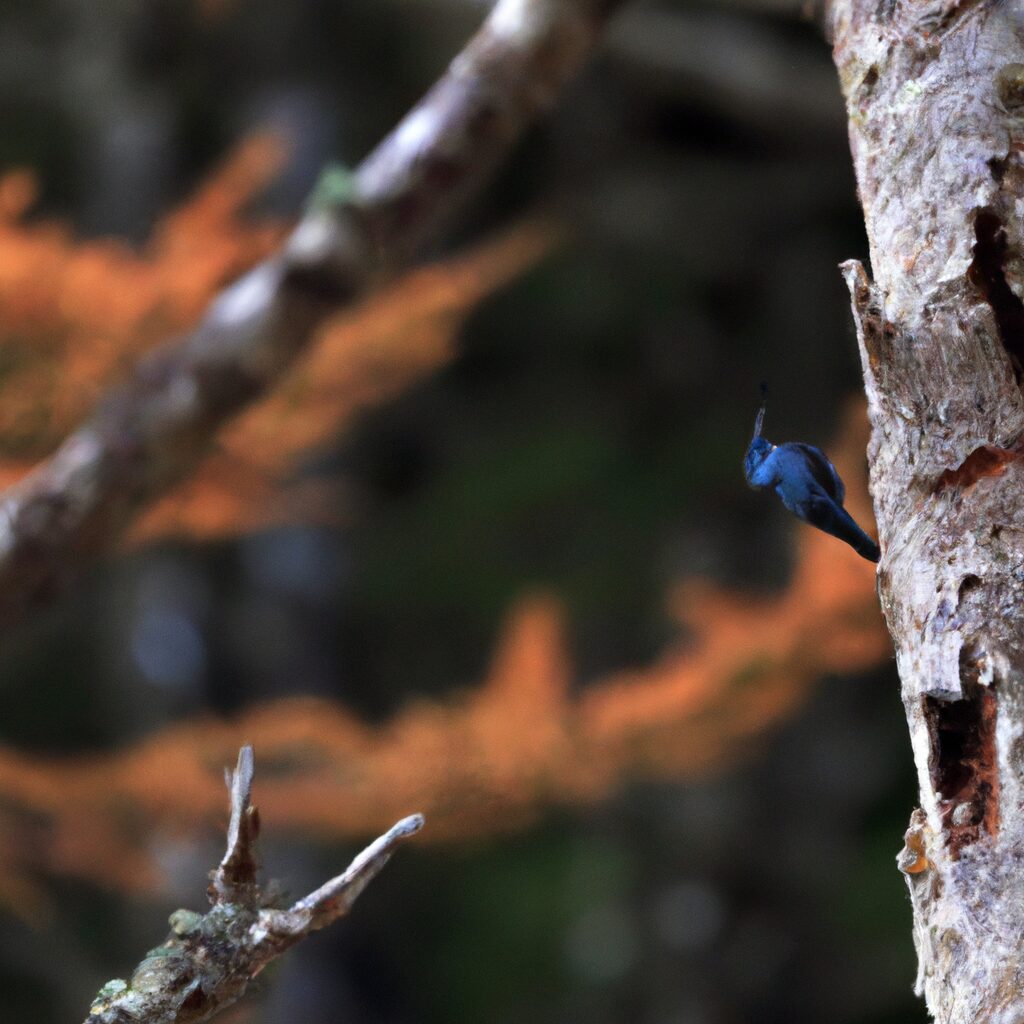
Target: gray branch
(235,876)
(208,960)
(151,433)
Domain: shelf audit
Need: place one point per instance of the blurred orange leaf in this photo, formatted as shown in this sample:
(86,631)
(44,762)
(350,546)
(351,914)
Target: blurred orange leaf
(74,313)
(360,358)
(487,761)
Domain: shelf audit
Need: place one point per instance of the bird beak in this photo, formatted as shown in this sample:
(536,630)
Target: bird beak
(759,422)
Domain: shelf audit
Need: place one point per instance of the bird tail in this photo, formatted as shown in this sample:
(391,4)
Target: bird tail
(846,528)
(866,547)
(834,519)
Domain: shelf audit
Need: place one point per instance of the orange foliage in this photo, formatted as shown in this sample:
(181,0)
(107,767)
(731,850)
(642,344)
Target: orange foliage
(74,313)
(359,358)
(489,760)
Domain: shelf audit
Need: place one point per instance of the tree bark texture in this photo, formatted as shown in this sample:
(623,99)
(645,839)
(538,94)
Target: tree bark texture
(935,97)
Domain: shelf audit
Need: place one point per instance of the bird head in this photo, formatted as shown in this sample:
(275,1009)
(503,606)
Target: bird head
(760,447)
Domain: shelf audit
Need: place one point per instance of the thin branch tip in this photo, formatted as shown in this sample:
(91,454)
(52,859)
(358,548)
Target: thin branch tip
(407,827)
(234,879)
(245,758)
(241,777)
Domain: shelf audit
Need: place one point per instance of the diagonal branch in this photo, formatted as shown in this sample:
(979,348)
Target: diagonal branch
(151,433)
(208,960)
(334,898)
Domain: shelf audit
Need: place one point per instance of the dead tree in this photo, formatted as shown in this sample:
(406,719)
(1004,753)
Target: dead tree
(935,97)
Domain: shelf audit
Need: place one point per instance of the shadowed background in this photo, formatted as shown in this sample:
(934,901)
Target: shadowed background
(468,532)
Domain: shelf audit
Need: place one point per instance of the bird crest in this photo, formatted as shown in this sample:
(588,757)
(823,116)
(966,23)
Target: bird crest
(760,447)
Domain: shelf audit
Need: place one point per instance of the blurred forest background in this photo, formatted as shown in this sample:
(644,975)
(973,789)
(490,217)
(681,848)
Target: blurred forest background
(488,554)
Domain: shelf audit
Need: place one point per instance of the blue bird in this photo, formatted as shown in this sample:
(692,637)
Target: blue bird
(808,485)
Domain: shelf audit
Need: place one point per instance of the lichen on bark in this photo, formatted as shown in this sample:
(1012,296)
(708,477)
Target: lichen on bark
(208,960)
(937,135)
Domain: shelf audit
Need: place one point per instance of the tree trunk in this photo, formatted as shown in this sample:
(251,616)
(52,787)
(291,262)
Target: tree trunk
(935,96)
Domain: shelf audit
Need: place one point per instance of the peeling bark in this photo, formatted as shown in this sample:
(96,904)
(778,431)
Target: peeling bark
(935,98)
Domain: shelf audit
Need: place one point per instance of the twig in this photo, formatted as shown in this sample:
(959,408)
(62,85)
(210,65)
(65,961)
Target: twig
(236,874)
(151,433)
(208,960)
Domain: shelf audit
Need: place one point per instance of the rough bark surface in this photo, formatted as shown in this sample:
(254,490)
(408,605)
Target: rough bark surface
(935,97)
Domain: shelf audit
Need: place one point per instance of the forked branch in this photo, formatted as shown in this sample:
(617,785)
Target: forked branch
(208,960)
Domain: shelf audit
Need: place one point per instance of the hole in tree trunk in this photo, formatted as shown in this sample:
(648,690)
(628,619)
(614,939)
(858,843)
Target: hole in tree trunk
(962,766)
(987,274)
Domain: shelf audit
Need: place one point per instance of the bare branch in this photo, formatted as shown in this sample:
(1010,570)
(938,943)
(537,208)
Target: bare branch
(236,874)
(152,432)
(208,960)
(335,898)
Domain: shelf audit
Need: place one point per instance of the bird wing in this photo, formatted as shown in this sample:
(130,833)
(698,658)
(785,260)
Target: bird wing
(822,470)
